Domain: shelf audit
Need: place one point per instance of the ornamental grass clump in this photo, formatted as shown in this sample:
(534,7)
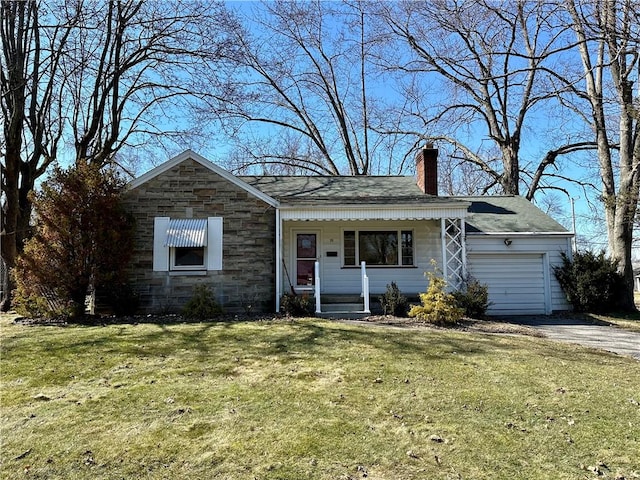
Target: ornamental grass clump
(437,306)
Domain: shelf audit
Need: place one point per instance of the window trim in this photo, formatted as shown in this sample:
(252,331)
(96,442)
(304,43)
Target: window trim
(356,238)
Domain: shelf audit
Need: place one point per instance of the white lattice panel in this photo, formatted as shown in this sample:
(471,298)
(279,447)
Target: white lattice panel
(454,250)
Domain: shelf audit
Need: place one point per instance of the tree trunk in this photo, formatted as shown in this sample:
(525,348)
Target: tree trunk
(16,18)
(621,251)
(511,176)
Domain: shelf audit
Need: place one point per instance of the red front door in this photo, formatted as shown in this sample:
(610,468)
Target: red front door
(306,256)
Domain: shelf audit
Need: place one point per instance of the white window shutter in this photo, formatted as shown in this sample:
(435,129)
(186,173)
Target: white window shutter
(160,252)
(214,243)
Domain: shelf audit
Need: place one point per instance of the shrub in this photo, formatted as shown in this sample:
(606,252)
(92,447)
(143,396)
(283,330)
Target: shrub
(296,305)
(473,298)
(31,302)
(202,305)
(437,306)
(28,303)
(393,302)
(590,281)
(122,299)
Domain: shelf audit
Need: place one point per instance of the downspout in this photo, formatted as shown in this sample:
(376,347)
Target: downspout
(278,259)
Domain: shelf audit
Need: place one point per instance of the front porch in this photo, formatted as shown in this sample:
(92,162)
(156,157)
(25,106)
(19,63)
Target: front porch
(345,264)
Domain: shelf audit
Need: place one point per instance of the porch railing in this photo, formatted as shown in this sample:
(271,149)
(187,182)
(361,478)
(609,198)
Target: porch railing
(317,287)
(365,286)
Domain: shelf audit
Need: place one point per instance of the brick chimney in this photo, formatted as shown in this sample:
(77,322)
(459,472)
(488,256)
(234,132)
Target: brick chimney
(427,170)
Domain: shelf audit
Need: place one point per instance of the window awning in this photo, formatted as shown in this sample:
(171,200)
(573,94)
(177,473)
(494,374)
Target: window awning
(186,232)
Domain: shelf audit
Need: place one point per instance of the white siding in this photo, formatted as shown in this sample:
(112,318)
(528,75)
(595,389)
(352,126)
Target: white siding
(336,279)
(520,275)
(516,274)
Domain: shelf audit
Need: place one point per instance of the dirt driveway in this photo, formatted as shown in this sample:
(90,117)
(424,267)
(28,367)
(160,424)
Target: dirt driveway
(605,337)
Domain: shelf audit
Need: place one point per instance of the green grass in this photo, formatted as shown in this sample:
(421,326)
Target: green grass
(628,321)
(310,399)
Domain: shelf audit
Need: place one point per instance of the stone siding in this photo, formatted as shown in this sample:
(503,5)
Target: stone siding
(247,278)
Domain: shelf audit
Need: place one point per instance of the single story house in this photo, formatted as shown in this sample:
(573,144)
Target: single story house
(254,238)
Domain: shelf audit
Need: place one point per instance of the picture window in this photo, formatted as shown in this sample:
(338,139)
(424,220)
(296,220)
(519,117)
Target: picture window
(378,247)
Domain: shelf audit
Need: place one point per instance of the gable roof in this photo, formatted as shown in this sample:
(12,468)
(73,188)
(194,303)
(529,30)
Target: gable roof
(191,155)
(483,214)
(346,190)
(508,214)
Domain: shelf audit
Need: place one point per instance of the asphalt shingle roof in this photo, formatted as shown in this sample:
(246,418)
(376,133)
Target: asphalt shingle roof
(304,190)
(509,213)
(487,214)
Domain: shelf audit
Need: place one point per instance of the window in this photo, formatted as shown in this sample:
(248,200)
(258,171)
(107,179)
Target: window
(188,258)
(378,247)
(187,244)
(406,237)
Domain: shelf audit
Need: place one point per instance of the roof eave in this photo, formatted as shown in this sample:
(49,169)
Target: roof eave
(463,205)
(522,234)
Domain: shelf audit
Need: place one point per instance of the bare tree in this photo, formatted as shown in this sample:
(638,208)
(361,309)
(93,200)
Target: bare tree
(94,75)
(31,115)
(608,36)
(479,70)
(303,98)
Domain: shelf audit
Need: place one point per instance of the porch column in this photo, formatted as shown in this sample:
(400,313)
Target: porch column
(278,259)
(443,243)
(463,236)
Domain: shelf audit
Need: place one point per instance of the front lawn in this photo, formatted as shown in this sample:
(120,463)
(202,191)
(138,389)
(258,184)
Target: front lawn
(310,399)
(628,321)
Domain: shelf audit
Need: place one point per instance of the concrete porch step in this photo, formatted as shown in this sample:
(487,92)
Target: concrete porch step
(342,307)
(340,298)
(342,315)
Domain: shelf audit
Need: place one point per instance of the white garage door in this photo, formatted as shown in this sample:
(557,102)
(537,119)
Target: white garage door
(516,282)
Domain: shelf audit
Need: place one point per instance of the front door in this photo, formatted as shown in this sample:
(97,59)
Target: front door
(306,252)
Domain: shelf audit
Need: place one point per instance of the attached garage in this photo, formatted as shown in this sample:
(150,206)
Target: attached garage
(518,283)
(512,247)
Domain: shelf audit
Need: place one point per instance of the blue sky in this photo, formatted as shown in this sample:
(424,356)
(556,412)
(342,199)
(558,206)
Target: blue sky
(217,147)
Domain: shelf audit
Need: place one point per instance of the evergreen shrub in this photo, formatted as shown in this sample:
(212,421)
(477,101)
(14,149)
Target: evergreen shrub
(437,306)
(590,281)
(473,298)
(202,306)
(393,302)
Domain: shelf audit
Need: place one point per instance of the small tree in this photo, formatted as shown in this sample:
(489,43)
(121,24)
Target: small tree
(83,240)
